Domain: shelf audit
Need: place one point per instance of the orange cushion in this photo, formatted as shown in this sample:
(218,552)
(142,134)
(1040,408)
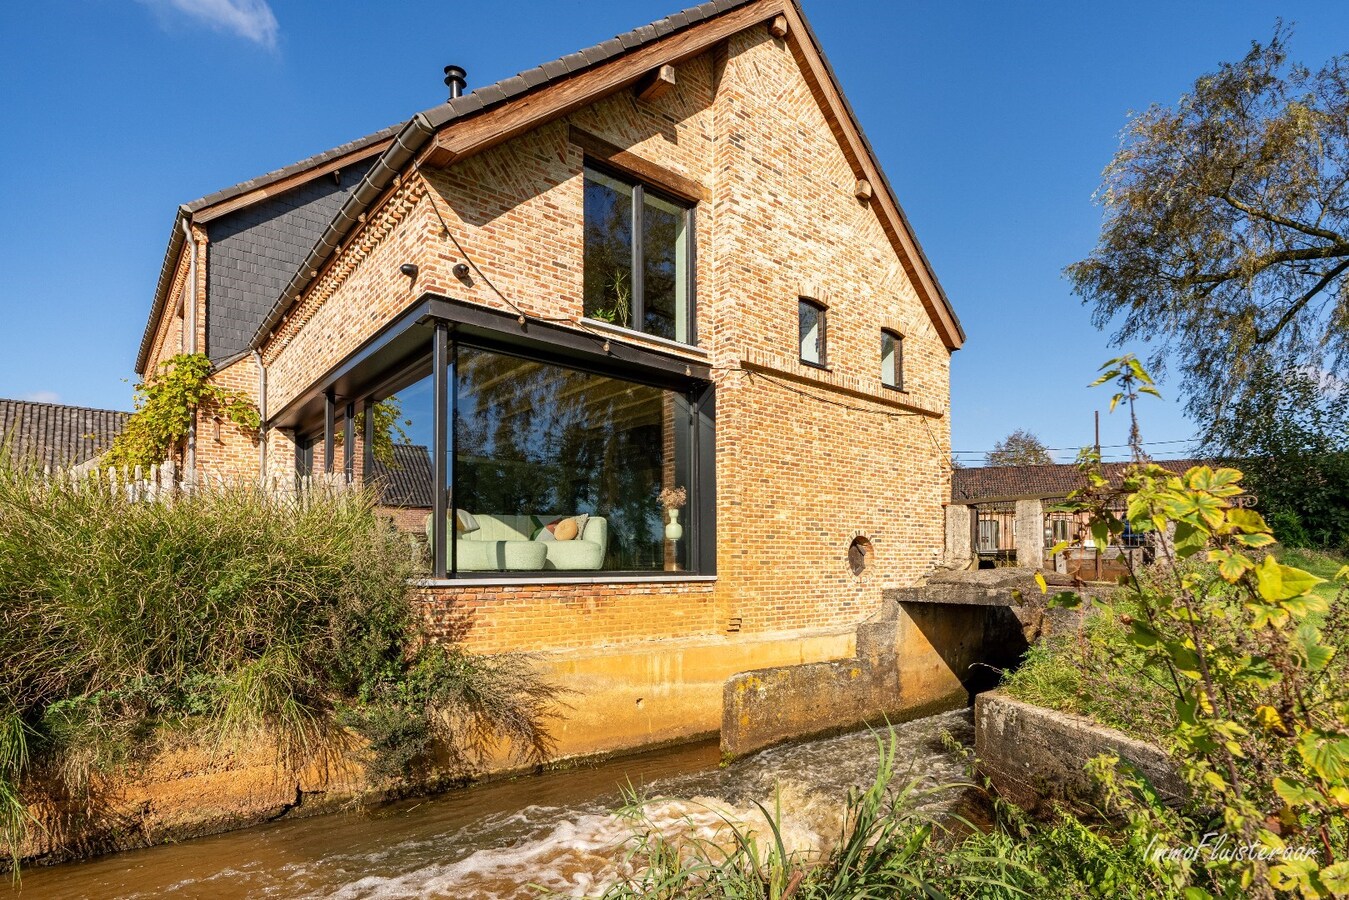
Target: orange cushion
(566,530)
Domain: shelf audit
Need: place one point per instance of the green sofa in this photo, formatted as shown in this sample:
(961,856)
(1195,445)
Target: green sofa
(503,543)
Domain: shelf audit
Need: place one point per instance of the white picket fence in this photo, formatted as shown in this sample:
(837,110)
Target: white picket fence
(165,481)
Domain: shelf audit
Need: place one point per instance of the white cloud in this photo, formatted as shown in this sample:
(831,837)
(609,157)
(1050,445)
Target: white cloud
(249,19)
(42,397)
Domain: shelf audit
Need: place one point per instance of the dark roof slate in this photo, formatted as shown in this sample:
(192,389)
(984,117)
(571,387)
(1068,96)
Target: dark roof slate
(970,485)
(56,436)
(253,252)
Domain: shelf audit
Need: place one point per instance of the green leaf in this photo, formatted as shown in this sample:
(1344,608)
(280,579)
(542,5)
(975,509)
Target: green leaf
(1189,540)
(1231,565)
(1184,658)
(1065,600)
(1325,754)
(1258,671)
(1255,540)
(1247,521)
(1316,654)
(1267,614)
(1279,582)
(1336,878)
(1295,793)
(1306,605)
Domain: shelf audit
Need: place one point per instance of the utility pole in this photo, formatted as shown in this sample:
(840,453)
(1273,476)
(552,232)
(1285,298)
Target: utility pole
(1098,434)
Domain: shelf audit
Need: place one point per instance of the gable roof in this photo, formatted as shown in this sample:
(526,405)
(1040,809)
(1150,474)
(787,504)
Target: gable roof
(989,483)
(277,187)
(56,436)
(534,96)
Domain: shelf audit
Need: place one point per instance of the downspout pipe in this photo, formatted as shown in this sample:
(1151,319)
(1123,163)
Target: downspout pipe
(190,345)
(409,141)
(262,418)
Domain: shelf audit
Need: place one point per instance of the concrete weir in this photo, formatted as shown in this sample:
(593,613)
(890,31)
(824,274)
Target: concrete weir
(931,648)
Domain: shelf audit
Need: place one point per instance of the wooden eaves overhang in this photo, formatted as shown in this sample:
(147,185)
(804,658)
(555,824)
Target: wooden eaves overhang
(496,113)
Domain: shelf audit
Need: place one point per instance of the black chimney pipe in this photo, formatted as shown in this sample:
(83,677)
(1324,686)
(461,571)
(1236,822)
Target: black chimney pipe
(456,79)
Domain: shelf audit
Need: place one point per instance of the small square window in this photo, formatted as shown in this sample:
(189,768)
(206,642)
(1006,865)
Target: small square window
(812,331)
(892,359)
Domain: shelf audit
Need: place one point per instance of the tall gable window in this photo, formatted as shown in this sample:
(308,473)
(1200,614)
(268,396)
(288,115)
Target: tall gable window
(811,328)
(638,259)
(892,359)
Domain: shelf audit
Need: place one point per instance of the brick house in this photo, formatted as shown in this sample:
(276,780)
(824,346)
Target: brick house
(1004,514)
(670,260)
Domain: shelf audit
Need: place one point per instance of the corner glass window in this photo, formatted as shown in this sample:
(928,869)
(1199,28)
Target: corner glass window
(811,329)
(563,470)
(638,264)
(892,359)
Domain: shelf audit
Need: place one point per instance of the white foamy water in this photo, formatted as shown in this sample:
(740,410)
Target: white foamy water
(557,831)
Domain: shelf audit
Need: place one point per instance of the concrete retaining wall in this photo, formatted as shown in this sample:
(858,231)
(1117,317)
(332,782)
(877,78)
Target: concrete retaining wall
(1036,757)
(920,658)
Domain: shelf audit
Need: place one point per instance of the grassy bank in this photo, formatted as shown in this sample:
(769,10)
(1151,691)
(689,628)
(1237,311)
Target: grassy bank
(223,616)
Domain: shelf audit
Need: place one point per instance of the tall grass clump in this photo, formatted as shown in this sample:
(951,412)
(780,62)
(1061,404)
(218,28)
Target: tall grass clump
(226,614)
(898,839)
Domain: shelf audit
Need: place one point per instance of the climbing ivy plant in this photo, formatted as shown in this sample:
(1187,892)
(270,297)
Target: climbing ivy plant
(165,406)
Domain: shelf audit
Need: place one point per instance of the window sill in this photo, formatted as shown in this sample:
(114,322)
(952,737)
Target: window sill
(896,388)
(501,578)
(632,334)
(823,367)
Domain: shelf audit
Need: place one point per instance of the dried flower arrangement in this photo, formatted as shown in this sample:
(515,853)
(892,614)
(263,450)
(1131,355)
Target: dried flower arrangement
(674,498)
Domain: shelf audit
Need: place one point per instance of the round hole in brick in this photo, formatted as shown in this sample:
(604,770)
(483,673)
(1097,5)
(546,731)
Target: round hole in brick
(860,552)
(640,702)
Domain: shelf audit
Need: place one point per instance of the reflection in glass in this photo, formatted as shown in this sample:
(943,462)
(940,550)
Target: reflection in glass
(538,444)
(608,249)
(664,290)
(401,462)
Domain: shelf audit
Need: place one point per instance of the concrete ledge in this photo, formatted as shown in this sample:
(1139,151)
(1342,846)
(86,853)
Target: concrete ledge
(1036,757)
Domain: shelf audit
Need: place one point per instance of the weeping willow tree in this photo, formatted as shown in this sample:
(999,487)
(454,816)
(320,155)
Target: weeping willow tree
(1225,241)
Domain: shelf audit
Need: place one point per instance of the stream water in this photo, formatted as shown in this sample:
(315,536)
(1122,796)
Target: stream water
(493,841)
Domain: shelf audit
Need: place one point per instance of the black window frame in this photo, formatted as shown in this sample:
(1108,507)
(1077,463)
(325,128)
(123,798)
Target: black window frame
(823,312)
(425,340)
(898,364)
(639,191)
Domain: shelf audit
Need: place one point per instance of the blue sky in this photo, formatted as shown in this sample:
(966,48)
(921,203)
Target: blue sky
(993,122)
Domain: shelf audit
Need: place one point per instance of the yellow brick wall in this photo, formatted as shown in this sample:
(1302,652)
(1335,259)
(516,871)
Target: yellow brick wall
(806,460)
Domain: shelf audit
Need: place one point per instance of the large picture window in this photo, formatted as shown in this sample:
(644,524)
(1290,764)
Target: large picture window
(499,457)
(638,258)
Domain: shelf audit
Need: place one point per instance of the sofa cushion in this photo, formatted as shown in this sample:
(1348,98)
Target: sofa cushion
(566,530)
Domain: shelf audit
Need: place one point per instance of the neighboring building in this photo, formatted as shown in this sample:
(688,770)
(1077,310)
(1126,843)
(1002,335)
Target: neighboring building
(667,261)
(53,436)
(1004,514)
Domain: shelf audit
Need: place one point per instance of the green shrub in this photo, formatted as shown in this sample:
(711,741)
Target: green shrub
(226,614)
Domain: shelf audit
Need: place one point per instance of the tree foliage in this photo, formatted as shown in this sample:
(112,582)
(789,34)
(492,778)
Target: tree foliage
(166,405)
(1020,448)
(1291,437)
(1226,233)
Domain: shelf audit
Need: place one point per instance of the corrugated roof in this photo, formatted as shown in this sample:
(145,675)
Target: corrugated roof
(407,481)
(984,483)
(56,436)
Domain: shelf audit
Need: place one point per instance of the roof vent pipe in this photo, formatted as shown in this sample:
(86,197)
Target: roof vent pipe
(456,79)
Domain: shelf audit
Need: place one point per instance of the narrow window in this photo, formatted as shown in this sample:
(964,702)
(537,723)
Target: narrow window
(892,359)
(812,329)
(638,264)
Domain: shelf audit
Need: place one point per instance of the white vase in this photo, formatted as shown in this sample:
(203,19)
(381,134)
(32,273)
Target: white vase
(673,530)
